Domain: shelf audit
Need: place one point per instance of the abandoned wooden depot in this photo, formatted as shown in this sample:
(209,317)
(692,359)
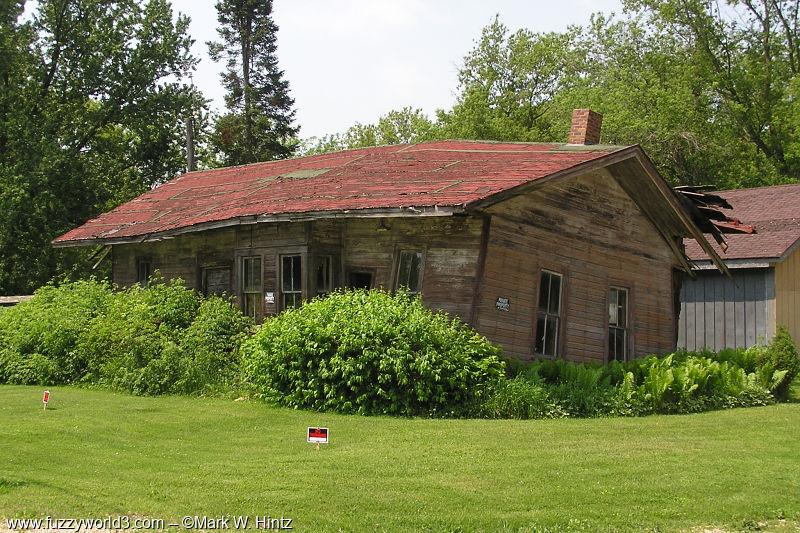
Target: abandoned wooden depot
(557,250)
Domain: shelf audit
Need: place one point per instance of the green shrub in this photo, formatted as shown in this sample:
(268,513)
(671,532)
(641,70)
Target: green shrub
(371,352)
(521,398)
(781,355)
(162,339)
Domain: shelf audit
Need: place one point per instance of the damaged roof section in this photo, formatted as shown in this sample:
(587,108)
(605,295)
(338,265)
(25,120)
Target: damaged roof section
(774,215)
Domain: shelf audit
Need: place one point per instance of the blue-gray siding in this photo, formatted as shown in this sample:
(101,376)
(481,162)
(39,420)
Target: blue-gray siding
(719,312)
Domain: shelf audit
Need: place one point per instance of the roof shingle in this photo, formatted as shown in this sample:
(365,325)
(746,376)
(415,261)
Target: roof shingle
(433,174)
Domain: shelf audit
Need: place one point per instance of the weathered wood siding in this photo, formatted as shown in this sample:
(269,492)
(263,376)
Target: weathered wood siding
(720,312)
(590,231)
(450,245)
(787,293)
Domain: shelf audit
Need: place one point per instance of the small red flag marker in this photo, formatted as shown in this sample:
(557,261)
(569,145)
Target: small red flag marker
(46,398)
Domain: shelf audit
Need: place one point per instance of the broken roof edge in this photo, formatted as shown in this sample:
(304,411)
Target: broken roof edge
(393,212)
(671,197)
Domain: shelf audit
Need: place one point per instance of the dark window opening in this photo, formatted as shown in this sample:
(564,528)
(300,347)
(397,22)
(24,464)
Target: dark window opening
(359,280)
(323,277)
(144,270)
(291,281)
(548,320)
(618,324)
(409,271)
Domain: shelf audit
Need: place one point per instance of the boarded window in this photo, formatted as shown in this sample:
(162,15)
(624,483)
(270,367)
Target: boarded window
(251,286)
(618,324)
(216,280)
(144,270)
(548,319)
(323,277)
(409,271)
(291,281)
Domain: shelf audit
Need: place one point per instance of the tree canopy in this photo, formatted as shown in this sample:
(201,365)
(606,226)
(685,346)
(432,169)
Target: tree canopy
(709,92)
(91,113)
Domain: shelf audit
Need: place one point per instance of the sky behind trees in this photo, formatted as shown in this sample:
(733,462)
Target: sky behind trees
(353,60)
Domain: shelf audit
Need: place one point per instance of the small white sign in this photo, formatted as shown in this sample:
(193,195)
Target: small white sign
(318,435)
(269,297)
(502,304)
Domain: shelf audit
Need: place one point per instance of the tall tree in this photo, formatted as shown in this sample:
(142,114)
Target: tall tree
(90,115)
(259,123)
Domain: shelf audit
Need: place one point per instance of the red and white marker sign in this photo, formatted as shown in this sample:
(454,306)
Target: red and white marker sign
(318,435)
(46,398)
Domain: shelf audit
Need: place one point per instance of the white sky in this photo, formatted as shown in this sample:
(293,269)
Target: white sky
(351,61)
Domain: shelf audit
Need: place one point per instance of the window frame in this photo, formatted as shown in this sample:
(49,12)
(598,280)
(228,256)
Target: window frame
(559,317)
(625,330)
(284,293)
(204,272)
(397,263)
(246,291)
(361,270)
(320,260)
(144,283)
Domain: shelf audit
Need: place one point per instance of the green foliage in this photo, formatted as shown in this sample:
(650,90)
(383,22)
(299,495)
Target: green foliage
(406,125)
(258,124)
(162,339)
(371,352)
(521,398)
(677,383)
(91,114)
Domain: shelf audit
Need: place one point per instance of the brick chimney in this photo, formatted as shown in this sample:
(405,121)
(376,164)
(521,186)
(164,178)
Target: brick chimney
(585,127)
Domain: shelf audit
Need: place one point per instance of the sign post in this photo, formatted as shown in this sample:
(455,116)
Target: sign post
(317,436)
(46,398)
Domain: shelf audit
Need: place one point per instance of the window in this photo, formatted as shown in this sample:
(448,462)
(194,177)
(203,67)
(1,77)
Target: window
(251,285)
(359,279)
(549,316)
(144,270)
(216,280)
(409,271)
(618,324)
(291,281)
(323,277)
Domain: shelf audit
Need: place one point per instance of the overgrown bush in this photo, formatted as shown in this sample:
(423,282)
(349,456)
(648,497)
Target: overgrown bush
(677,383)
(371,352)
(162,339)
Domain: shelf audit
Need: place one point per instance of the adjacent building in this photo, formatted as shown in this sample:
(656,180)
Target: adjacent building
(763,290)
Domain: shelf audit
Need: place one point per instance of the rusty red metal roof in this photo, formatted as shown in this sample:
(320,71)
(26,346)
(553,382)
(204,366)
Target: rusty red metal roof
(775,213)
(432,175)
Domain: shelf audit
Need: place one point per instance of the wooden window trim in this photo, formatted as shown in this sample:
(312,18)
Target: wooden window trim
(628,322)
(560,316)
(144,260)
(318,260)
(396,266)
(258,310)
(303,269)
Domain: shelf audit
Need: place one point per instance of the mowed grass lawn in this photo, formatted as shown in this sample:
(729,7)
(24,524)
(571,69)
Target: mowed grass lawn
(95,453)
